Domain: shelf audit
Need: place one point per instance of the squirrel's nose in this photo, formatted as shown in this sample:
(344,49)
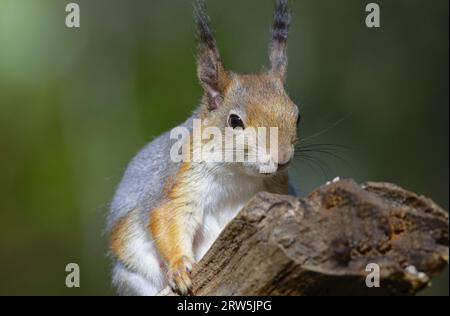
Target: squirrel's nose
(284,157)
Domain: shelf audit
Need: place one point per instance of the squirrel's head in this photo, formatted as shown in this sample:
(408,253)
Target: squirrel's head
(246,103)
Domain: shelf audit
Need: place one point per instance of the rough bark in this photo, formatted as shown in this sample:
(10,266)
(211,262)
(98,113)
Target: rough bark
(322,244)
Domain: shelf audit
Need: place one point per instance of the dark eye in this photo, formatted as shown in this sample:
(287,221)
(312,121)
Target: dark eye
(235,121)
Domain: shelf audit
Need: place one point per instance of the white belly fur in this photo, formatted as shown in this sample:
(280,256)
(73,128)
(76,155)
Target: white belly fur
(223,197)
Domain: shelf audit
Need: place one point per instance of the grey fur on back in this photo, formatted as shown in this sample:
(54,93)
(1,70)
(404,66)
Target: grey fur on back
(143,182)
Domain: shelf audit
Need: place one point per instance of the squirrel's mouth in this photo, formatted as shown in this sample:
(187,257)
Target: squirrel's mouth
(268,168)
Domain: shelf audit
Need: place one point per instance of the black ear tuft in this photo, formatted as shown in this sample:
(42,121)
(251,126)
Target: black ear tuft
(205,33)
(210,70)
(280,31)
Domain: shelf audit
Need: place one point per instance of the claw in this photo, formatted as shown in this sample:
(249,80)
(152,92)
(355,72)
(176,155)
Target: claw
(179,275)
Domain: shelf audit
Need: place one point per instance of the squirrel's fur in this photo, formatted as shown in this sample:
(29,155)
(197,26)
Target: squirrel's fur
(165,215)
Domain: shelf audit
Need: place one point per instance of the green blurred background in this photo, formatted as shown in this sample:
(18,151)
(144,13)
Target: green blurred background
(77,104)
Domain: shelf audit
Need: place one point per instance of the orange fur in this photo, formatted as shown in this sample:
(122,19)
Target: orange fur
(119,236)
(166,221)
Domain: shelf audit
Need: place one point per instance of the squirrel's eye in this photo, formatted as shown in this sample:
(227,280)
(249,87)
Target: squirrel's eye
(235,121)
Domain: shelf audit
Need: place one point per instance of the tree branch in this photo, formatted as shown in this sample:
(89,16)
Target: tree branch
(321,245)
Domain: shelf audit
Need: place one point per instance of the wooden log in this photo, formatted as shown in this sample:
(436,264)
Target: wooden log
(322,244)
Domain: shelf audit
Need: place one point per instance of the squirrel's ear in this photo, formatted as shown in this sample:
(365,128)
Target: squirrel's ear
(210,70)
(278,45)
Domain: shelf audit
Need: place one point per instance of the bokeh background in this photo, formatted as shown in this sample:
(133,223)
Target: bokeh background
(77,104)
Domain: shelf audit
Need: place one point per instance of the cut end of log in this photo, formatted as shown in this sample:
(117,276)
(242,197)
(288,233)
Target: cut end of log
(329,243)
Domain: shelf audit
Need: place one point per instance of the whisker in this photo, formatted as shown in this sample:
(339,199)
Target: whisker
(329,127)
(329,153)
(317,162)
(323,145)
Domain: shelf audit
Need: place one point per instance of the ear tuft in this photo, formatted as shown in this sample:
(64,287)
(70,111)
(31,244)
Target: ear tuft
(210,70)
(205,33)
(278,46)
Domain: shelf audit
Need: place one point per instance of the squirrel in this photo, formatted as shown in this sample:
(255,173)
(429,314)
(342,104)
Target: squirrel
(165,215)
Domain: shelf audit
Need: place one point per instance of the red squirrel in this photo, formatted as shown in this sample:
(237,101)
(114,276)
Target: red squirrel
(165,214)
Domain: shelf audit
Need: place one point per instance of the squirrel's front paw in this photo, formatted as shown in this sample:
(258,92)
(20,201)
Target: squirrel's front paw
(178,275)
